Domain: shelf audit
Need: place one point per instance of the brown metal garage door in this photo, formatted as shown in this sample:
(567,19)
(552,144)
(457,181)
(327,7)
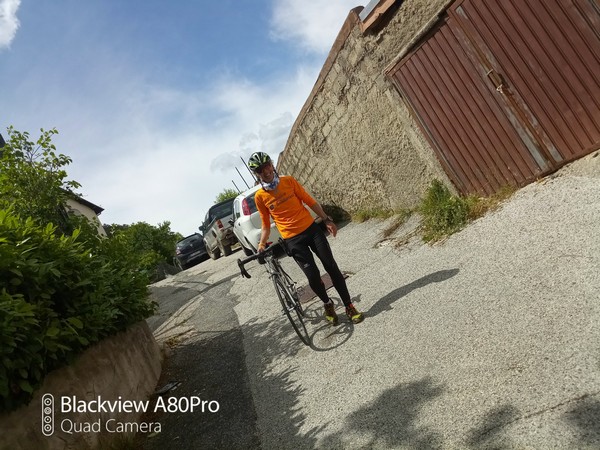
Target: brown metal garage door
(508,90)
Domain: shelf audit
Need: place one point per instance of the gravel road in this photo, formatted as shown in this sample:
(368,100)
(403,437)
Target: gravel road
(489,339)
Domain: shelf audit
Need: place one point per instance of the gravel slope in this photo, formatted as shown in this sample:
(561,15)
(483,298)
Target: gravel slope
(490,339)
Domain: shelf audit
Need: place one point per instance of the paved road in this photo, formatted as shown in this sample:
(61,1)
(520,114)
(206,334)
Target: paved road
(490,339)
(197,319)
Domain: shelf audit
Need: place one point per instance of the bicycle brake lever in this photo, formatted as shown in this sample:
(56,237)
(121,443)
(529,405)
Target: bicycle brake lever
(243,270)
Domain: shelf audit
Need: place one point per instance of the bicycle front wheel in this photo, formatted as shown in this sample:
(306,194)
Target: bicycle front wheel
(292,309)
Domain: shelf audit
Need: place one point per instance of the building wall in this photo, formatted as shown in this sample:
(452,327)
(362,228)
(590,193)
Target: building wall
(85,211)
(355,144)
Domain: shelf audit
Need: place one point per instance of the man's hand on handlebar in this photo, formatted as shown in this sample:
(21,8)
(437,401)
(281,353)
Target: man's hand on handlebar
(261,249)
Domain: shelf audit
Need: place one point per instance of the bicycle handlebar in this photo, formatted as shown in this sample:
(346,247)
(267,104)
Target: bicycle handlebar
(268,251)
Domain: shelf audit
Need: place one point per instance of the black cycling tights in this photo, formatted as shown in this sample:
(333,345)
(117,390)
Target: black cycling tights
(300,246)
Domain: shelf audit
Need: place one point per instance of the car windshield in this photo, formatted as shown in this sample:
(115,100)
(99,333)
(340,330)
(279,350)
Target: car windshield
(222,210)
(188,240)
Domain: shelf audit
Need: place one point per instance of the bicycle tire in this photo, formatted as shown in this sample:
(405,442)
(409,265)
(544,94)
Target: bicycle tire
(292,309)
(295,296)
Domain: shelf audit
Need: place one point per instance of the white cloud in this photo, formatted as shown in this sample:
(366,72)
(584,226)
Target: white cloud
(153,151)
(8,21)
(312,25)
(160,154)
(274,134)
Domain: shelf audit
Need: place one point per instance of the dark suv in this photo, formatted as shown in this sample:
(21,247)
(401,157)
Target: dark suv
(189,251)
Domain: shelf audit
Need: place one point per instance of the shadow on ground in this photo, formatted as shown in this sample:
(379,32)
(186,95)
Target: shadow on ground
(385,303)
(214,366)
(390,420)
(586,417)
(491,432)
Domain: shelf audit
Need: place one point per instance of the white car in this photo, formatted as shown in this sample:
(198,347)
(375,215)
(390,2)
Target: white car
(247,224)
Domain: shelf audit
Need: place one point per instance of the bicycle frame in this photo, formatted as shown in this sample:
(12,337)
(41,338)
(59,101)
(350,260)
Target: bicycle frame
(285,287)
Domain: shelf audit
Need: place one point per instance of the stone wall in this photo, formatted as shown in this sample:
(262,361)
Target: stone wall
(125,366)
(355,144)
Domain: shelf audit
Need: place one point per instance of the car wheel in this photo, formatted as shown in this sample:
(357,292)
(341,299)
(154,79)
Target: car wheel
(177,264)
(209,252)
(225,249)
(214,255)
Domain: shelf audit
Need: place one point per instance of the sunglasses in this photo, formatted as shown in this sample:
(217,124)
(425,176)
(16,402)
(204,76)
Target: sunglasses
(262,168)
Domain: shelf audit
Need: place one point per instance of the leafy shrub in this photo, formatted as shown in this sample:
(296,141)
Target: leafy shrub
(58,295)
(443,213)
(148,246)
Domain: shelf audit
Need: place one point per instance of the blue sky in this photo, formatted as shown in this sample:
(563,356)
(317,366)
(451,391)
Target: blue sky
(156,101)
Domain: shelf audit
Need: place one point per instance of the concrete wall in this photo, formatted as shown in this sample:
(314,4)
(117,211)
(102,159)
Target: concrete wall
(355,143)
(126,365)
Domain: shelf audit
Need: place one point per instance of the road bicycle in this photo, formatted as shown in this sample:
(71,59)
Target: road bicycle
(284,285)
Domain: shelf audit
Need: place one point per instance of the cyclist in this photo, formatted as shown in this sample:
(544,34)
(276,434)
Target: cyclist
(282,199)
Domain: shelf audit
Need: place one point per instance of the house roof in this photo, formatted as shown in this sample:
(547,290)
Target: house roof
(97,209)
(82,201)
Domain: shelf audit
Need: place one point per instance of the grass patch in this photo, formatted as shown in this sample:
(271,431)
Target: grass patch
(480,206)
(376,213)
(445,214)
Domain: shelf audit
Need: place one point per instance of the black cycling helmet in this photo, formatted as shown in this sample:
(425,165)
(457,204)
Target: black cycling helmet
(258,159)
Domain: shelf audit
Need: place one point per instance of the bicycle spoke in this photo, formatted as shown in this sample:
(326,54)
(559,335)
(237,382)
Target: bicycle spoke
(291,308)
(292,287)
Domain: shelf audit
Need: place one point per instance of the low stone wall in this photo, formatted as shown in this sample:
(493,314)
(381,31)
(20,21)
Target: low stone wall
(122,368)
(355,143)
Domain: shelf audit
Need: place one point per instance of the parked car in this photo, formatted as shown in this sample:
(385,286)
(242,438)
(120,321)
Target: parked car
(246,221)
(189,251)
(217,230)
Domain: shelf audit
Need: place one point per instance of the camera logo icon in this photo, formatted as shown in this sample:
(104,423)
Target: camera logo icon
(47,414)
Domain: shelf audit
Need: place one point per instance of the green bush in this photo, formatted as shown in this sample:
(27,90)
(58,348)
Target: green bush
(443,213)
(58,295)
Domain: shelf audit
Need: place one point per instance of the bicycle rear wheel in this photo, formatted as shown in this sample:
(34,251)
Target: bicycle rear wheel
(291,308)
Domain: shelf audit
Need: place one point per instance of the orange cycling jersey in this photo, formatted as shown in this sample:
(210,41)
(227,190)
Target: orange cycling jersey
(284,204)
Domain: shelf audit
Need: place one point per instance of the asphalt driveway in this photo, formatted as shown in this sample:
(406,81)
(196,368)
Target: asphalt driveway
(489,339)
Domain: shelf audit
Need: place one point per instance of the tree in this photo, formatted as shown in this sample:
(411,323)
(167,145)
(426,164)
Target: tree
(148,245)
(63,287)
(33,180)
(226,195)
(34,183)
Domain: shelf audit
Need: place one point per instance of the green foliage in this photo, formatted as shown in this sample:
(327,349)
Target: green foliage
(148,246)
(59,295)
(226,195)
(479,206)
(443,213)
(33,180)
